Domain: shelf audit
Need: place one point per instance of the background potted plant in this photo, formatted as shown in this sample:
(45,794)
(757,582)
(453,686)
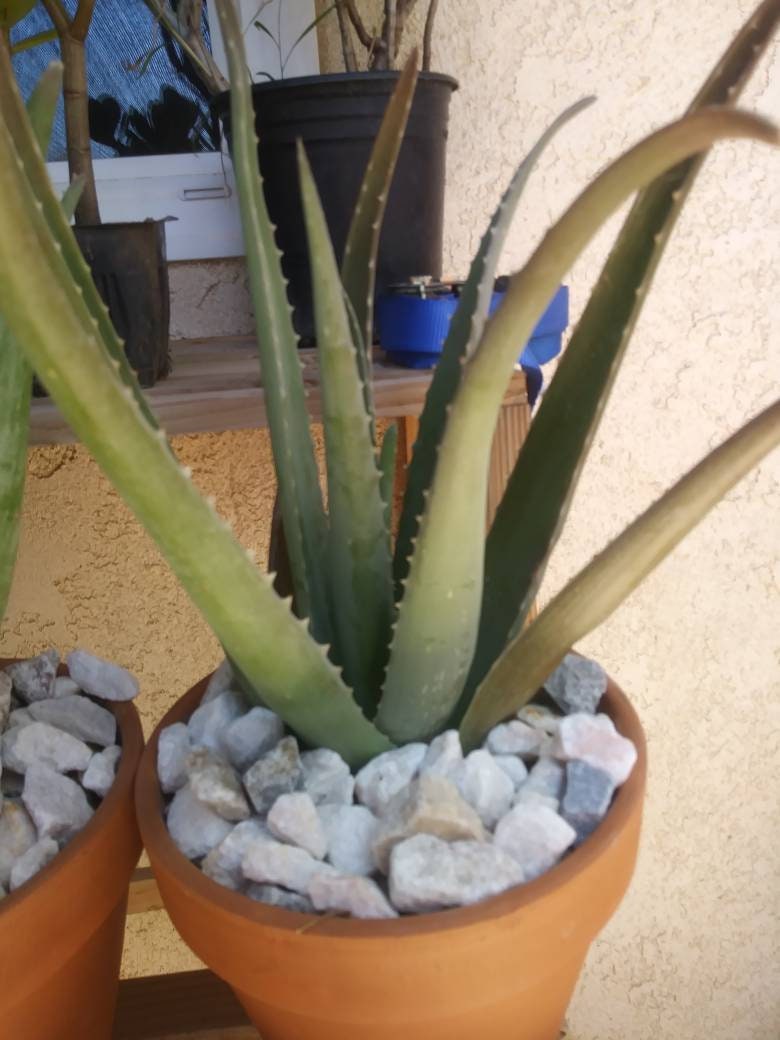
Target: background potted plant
(127,260)
(337,116)
(453,606)
(64,872)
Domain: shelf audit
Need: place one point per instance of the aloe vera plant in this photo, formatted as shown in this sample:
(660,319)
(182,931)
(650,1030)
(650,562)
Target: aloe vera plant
(384,643)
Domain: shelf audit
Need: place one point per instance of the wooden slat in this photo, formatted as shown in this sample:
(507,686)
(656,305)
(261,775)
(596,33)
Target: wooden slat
(144,893)
(216,385)
(193,1004)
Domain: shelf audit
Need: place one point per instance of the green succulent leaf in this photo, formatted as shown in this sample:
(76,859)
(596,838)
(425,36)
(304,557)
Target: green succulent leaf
(542,484)
(15,389)
(436,631)
(15,372)
(359,549)
(69,257)
(71,196)
(271,647)
(463,336)
(608,579)
(358,267)
(387,460)
(305,523)
(42,106)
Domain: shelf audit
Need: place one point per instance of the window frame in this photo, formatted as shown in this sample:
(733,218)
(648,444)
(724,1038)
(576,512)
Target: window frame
(197,192)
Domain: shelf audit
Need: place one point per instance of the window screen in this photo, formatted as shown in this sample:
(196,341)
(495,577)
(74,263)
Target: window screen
(144,98)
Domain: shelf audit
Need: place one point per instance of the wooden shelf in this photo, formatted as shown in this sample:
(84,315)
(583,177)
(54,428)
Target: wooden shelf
(195,1005)
(216,385)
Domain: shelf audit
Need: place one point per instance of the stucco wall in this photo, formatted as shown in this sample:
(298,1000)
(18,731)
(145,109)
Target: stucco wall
(695,948)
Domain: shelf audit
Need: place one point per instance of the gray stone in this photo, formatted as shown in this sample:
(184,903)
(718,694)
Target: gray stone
(535,836)
(33,679)
(577,684)
(78,716)
(587,797)
(514,767)
(173,750)
(250,736)
(222,679)
(31,862)
(539,717)
(350,831)
(277,772)
(208,724)
(293,818)
(5,698)
(383,777)
(102,679)
(20,717)
(547,778)
(100,774)
(57,804)
(356,896)
(526,796)
(273,895)
(430,805)
(41,744)
(64,686)
(216,785)
(485,786)
(272,862)
(223,863)
(327,778)
(593,739)
(444,755)
(17,835)
(517,738)
(429,874)
(195,829)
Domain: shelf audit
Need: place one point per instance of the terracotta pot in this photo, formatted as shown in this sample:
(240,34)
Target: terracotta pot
(502,969)
(61,934)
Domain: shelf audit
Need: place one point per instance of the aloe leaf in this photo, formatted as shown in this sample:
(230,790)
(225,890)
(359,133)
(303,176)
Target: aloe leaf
(305,525)
(601,587)
(436,631)
(80,283)
(542,484)
(359,549)
(71,196)
(464,332)
(42,106)
(15,373)
(387,459)
(15,389)
(358,267)
(270,646)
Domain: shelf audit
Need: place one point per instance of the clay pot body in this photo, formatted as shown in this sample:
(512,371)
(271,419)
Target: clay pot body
(61,934)
(502,969)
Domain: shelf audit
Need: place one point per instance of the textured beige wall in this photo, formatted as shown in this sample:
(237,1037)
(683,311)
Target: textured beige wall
(694,951)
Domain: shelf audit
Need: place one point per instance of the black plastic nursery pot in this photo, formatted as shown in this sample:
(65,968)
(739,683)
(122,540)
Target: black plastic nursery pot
(338,117)
(129,266)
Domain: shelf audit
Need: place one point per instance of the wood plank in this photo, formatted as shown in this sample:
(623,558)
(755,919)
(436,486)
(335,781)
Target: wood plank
(144,893)
(192,1004)
(216,385)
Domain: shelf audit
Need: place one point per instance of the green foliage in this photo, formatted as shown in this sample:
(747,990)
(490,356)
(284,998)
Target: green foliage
(439,643)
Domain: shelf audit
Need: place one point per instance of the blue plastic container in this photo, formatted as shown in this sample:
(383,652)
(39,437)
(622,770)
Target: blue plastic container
(412,331)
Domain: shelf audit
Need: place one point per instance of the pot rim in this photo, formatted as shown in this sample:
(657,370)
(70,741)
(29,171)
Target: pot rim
(387,75)
(131,733)
(163,851)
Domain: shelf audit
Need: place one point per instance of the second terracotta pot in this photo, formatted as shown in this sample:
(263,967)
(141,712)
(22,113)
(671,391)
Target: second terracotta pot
(61,933)
(504,969)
